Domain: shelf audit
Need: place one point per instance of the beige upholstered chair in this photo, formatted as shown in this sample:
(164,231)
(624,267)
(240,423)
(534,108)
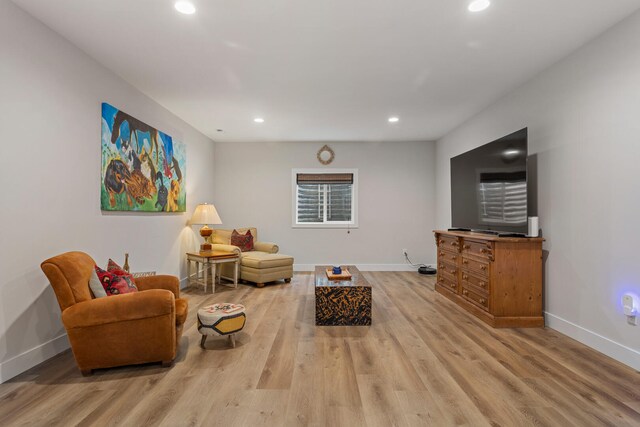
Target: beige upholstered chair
(262,265)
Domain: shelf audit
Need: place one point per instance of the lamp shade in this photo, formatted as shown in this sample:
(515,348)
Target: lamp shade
(205,214)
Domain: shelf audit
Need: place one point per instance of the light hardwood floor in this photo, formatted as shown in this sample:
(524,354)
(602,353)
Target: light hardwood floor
(424,361)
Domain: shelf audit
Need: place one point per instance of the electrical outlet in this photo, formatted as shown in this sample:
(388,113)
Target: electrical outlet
(404,252)
(630,308)
(628,305)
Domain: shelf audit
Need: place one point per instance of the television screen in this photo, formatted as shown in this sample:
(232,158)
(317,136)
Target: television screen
(489,186)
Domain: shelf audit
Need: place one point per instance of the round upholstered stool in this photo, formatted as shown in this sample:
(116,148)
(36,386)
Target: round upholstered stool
(221,319)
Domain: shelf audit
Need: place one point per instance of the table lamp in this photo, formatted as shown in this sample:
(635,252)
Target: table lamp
(203,215)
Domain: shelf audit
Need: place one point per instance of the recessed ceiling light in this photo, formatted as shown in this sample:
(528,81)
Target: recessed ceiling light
(258,120)
(394,119)
(479,5)
(185,7)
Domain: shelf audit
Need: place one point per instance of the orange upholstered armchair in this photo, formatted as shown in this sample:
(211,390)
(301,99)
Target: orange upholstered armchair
(117,330)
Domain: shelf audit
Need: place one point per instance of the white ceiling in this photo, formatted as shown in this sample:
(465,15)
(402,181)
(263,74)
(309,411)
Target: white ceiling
(327,70)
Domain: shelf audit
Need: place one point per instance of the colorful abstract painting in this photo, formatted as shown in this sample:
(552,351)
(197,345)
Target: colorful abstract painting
(143,169)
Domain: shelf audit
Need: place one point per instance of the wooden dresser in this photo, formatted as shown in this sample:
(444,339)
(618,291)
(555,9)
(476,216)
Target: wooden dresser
(498,279)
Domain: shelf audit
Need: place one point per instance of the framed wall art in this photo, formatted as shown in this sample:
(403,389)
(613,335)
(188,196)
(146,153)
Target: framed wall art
(143,169)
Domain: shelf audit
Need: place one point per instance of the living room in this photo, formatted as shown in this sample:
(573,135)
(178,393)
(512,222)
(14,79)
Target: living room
(255,92)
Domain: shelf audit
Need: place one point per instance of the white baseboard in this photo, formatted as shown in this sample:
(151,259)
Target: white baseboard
(361,267)
(184,282)
(604,345)
(30,358)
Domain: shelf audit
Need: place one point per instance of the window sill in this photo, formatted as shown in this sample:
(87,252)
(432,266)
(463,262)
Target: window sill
(326,226)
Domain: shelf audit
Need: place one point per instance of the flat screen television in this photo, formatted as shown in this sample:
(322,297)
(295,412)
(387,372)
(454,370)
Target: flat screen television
(489,186)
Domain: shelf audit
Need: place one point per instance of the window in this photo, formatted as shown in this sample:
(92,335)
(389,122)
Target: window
(325,199)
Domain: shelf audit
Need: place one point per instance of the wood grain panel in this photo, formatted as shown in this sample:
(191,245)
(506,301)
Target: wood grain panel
(497,279)
(482,249)
(422,362)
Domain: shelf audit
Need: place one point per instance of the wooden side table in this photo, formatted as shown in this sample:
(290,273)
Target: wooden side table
(211,259)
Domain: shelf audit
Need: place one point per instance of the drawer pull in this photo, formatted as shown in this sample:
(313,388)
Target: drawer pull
(482,284)
(442,266)
(484,251)
(454,257)
(442,242)
(464,261)
(441,253)
(465,277)
(465,292)
(466,247)
(483,267)
(454,243)
(483,301)
(441,280)
(453,285)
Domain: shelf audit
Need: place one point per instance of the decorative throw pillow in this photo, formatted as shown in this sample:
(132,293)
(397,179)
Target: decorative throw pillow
(96,286)
(112,267)
(116,284)
(243,241)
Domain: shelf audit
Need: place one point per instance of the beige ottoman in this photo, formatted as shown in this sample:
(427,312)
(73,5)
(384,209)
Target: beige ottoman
(262,267)
(221,319)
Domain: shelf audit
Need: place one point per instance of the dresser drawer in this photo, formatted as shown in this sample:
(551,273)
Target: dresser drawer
(470,295)
(447,268)
(448,283)
(479,284)
(498,280)
(479,267)
(447,256)
(448,243)
(478,249)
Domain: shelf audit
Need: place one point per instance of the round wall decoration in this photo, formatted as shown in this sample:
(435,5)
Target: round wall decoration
(326,155)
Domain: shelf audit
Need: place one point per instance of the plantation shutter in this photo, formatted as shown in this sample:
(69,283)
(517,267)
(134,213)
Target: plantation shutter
(339,202)
(324,197)
(310,203)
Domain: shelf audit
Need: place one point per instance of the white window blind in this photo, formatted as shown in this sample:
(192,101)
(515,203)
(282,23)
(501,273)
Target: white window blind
(311,203)
(324,199)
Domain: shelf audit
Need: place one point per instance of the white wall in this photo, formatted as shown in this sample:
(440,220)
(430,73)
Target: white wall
(583,116)
(396,192)
(50,96)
